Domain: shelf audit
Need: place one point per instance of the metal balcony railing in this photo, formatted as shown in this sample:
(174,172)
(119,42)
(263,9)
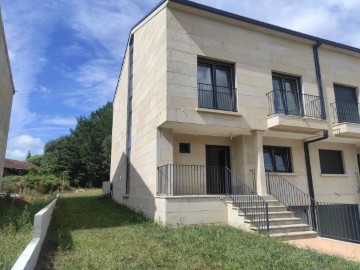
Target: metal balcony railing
(297,104)
(217,97)
(345,112)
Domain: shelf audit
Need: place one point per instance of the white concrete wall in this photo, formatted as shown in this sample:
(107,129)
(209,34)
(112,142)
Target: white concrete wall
(29,257)
(6,96)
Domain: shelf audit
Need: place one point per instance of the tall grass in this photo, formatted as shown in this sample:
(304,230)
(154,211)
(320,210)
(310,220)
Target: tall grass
(16,225)
(90,232)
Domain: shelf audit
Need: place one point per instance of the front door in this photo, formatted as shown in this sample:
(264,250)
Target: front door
(217,158)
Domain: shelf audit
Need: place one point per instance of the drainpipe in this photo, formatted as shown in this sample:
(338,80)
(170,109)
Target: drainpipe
(309,174)
(318,77)
(325,134)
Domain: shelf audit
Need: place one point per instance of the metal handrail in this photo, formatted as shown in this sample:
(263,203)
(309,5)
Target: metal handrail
(252,205)
(217,97)
(333,220)
(193,180)
(297,104)
(345,112)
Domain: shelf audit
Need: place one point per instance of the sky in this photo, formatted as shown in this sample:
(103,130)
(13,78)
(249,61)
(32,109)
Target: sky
(66,55)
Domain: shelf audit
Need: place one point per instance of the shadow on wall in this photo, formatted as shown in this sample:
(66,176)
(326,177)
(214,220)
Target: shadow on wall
(140,199)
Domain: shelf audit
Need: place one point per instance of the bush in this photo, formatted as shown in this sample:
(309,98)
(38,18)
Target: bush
(39,181)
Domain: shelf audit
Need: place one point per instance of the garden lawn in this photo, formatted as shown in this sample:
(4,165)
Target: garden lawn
(16,225)
(91,232)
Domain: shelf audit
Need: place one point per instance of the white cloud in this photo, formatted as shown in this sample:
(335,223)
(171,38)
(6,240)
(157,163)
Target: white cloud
(20,145)
(61,121)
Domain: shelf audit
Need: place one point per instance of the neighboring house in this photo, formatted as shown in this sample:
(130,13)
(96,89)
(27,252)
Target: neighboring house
(17,167)
(7,91)
(201,90)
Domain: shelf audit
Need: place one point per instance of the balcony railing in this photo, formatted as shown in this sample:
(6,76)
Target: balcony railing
(297,104)
(345,112)
(217,97)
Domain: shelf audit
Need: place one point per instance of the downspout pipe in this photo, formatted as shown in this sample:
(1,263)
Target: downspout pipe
(309,174)
(318,78)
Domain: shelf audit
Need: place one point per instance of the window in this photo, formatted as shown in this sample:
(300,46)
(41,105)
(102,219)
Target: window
(184,147)
(286,95)
(216,85)
(331,162)
(277,159)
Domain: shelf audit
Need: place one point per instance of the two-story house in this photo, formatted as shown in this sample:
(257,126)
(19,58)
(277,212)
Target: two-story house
(7,91)
(215,113)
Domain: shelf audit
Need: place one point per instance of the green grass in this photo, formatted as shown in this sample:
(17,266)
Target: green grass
(90,232)
(16,225)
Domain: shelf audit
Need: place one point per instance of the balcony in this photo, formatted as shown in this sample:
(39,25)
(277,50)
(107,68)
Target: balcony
(346,119)
(296,112)
(217,97)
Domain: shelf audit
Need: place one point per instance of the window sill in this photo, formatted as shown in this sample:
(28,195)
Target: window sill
(217,111)
(335,175)
(126,196)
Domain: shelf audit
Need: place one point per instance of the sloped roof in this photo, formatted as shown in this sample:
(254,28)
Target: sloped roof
(19,165)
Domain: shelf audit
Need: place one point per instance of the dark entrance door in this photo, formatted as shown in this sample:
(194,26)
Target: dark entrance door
(217,158)
(346,104)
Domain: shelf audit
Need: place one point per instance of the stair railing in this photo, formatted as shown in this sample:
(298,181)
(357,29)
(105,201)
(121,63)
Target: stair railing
(251,204)
(333,220)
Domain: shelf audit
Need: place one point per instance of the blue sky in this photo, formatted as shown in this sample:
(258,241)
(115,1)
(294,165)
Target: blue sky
(66,54)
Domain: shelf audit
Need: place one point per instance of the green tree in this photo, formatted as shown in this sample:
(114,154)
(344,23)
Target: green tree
(37,159)
(28,155)
(85,152)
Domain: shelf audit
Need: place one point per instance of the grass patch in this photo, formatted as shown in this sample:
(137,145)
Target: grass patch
(90,232)
(16,225)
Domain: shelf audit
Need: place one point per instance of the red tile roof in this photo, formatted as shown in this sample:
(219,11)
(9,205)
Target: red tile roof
(19,165)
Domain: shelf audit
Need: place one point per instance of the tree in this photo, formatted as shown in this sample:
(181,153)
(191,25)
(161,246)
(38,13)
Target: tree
(28,155)
(37,160)
(85,151)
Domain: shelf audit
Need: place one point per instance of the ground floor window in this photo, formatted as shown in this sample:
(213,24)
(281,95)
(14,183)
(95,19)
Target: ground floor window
(331,161)
(277,159)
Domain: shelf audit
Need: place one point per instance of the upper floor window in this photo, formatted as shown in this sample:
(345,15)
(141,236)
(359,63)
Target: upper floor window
(277,159)
(286,94)
(216,85)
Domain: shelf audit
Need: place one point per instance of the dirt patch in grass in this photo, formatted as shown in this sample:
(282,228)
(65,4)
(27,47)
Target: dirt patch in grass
(90,232)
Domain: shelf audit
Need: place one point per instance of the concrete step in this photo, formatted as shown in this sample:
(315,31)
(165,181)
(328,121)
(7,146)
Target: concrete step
(277,221)
(271,208)
(285,228)
(259,202)
(295,235)
(280,214)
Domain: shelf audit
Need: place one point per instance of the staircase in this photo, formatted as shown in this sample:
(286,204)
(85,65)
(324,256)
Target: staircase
(282,223)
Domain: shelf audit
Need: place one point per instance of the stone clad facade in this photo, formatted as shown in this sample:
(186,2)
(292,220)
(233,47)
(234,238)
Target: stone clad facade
(170,45)
(6,95)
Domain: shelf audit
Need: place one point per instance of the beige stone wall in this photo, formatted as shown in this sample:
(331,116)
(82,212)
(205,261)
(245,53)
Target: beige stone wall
(191,210)
(149,86)
(6,96)
(254,54)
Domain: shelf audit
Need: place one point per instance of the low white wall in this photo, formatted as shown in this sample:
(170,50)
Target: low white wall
(29,257)
(191,210)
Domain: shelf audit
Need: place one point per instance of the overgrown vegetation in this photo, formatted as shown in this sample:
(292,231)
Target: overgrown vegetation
(90,232)
(16,225)
(39,181)
(84,154)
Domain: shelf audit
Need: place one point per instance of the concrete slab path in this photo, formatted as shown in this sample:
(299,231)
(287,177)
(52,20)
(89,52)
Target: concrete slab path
(346,250)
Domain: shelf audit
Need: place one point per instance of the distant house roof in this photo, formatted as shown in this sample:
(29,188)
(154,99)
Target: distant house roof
(19,165)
